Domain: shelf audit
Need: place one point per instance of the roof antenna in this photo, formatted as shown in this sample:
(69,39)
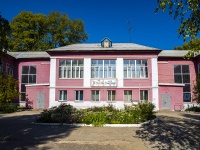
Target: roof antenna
(129,30)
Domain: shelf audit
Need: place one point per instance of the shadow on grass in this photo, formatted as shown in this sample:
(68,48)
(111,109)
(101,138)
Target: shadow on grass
(173,133)
(17,132)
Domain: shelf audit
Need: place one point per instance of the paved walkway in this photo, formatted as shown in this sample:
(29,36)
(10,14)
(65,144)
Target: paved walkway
(174,130)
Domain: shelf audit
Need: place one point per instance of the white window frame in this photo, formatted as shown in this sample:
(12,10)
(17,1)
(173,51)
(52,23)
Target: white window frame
(142,92)
(128,94)
(28,74)
(111,94)
(95,95)
(72,71)
(185,94)
(133,70)
(62,95)
(78,94)
(103,70)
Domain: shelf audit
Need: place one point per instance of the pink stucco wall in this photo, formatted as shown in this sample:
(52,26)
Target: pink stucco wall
(31,95)
(138,84)
(42,77)
(176,93)
(43,69)
(103,93)
(166,69)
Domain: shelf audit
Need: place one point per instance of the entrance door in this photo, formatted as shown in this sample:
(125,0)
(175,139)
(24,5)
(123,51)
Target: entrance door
(40,104)
(166,101)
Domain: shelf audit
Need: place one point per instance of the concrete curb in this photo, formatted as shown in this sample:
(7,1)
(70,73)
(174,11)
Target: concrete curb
(105,125)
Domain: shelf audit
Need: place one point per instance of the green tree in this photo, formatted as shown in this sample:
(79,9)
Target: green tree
(38,32)
(188,11)
(196,90)
(192,45)
(4,34)
(8,89)
(63,31)
(28,31)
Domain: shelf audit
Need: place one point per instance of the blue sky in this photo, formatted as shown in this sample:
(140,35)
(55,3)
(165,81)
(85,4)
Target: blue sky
(108,18)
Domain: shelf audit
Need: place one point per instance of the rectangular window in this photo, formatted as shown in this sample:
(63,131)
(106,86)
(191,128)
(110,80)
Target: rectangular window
(103,69)
(1,66)
(143,95)
(111,95)
(95,95)
(79,96)
(9,69)
(127,95)
(182,75)
(63,95)
(28,76)
(135,69)
(71,69)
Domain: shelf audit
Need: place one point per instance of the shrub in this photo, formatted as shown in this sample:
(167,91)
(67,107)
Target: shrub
(61,114)
(145,111)
(98,116)
(8,108)
(95,118)
(195,109)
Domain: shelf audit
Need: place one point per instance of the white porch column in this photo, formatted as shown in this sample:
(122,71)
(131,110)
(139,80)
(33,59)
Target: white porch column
(154,65)
(119,72)
(87,72)
(52,91)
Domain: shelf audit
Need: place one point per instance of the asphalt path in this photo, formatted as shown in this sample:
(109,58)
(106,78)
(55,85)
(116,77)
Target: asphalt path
(174,130)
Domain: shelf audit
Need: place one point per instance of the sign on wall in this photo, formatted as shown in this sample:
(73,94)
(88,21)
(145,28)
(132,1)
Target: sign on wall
(103,83)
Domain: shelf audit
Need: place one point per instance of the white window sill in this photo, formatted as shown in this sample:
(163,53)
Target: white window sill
(70,78)
(94,101)
(111,101)
(78,101)
(128,101)
(62,100)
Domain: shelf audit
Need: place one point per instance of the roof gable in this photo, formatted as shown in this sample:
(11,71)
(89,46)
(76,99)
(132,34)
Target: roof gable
(106,42)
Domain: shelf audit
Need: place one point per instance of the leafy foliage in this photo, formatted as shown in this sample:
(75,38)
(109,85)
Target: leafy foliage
(98,116)
(4,33)
(192,45)
(38,32)
(28,31)
(188,11)
(196,90)
(195,109)
(62,114)
(8,89)
(145,111)
(8,108)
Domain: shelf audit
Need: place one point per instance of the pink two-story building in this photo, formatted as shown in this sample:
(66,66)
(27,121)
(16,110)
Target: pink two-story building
(99,74)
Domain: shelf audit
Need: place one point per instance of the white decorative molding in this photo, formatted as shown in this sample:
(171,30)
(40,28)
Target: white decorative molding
(53,72)
(42,84)
(52,94)
(52,91)
(119,72)
(87,71)
(172,84)
(154,69)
